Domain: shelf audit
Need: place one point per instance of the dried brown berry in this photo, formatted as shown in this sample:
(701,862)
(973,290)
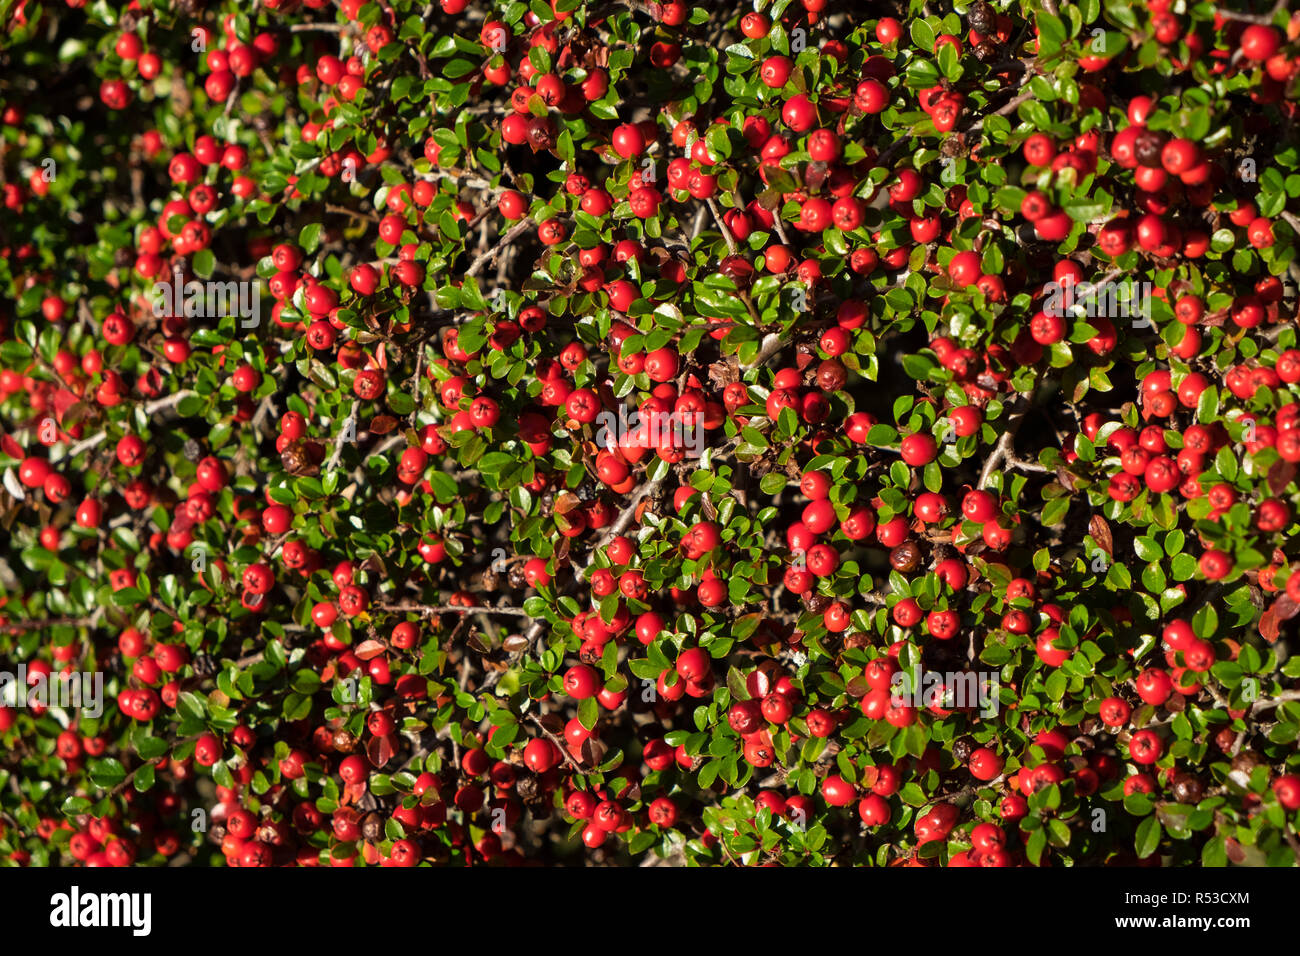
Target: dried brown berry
(831,375)
(981,17)
(905,558)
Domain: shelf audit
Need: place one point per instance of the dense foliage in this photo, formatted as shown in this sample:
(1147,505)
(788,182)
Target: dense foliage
(571,421)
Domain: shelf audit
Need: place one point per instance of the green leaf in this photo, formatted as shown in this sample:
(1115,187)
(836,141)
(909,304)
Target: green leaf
(107,773)
(1148,836)
(922,35)
(191,706)
(203,263)
(921,73)
(1054,511)
(1035,846)
(1147,549)
(588,712)
(1214,853)
(309,237)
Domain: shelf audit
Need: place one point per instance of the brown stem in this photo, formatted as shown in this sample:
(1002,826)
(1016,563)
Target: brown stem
(44,623)
(1270,703)
(1265,19)
(449,608)
(1002,451)
(564,751)
(513,233)
(338,442)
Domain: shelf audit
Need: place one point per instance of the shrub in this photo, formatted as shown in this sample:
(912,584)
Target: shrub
(535,433)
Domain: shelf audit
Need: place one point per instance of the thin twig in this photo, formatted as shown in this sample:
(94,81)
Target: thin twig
(457,608)
(155,406)
(722,227)
(1269,703)
(1266,19)
(349,423)
(560,745)
(513,233)
(1003,450)
(47,622)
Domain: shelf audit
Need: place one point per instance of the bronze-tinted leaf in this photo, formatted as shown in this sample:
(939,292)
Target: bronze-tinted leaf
(75,413)
(770,199)
(814,174)
(722,373)
(1279,612)
(565,502)
(1236,852)
(1100,531)
(553,723)
(369,649)
(382,424)
(380,750)
(1280,475)
(738,270)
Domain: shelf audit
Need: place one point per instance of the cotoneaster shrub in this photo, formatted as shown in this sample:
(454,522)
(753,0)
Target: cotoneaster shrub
(375,567)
